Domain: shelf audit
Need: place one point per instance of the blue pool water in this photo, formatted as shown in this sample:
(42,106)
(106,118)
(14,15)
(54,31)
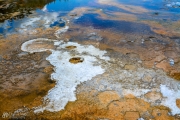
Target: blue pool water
(119,26)
(160,10)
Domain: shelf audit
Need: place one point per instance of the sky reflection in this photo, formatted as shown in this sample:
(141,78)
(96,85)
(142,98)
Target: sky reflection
(52,12)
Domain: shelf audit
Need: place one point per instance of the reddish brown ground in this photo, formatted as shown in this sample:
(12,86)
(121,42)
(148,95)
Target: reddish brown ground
(93,106)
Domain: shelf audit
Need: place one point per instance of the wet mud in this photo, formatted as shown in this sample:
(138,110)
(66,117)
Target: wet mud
(24,77)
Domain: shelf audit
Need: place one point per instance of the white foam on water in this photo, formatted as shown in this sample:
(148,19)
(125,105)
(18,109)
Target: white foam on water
(170,97)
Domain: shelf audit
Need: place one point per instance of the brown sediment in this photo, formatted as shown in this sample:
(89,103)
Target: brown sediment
(16,40)
(6,44)
(24,84)
(40,45)
(124,16)
(130,67)
(175,74)
(96,105)
(157,27)
(76,60)
(48,70)
(70,47)
(24,78)
(164,65)
(108,96)
(175,26)
(153,96)
(131,115)
(163,28)
(178,103)
(161,114)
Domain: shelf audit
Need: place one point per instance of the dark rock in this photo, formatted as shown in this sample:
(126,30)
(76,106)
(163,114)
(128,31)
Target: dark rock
(73,14)
(156,13)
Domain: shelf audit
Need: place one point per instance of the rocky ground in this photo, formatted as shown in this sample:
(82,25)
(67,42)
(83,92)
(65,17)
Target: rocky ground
(16,9)
(25,80)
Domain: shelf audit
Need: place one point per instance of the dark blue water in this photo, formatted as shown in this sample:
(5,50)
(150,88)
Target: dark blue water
(67,5)
(52,13)
(159,5)
(119,26)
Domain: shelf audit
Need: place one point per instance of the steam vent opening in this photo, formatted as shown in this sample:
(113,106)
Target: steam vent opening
(76,60)
(70,47)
